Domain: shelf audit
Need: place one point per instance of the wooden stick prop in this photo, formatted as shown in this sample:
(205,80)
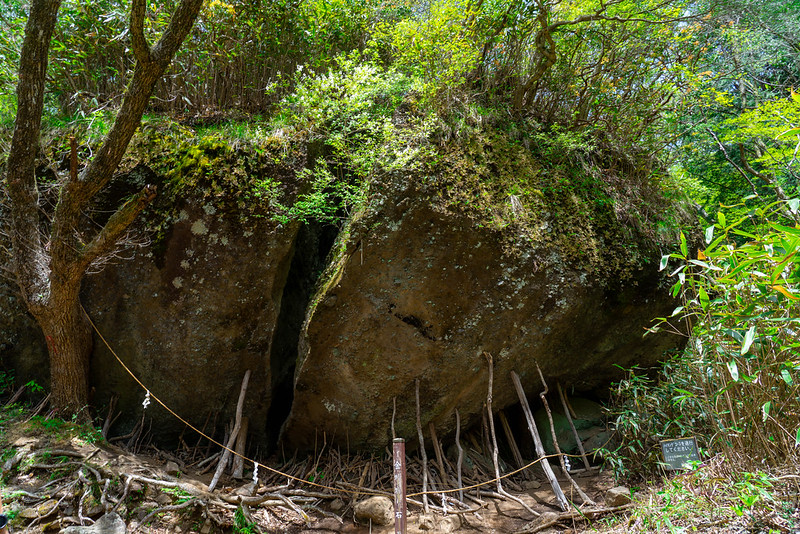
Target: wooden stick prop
(241,441)
(232,439)
(437,448)
(423,454)
(500,489)
(543,395)
(460,457)
(567,412)
(537,441)
(513,444)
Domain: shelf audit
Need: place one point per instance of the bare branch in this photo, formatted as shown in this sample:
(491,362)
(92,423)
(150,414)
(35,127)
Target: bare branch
(105,241)
(733,163)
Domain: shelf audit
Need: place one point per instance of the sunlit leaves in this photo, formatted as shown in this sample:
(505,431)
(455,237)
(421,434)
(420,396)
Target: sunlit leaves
(743,298)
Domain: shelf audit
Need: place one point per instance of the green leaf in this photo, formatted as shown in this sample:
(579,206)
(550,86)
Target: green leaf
(709,234)
(721,219)
(684,246)
(787,377)
(791,131)
(785,229)
(733,369)
(663,263)
(794,204)
(765,410)
(703,296)
(797,438)
(748,340)
(676,288)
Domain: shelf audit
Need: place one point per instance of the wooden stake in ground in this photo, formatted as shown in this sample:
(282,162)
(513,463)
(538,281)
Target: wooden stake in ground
(232,439)
(537,441)
(543,395)
(500,489)
(513,444)
(437,448)
(568,413)
(460,458)
(241,441)
(399,470)
(424,456)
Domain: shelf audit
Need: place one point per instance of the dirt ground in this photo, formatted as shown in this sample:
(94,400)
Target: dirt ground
(54,485)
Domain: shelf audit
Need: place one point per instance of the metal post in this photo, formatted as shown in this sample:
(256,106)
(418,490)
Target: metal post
(399,462)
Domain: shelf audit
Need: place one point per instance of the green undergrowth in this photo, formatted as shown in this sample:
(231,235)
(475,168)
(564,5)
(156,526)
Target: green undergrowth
(332,143)
(735,387)
(714,497)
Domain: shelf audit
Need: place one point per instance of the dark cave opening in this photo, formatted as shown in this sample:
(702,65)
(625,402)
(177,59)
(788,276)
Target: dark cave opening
(312,245)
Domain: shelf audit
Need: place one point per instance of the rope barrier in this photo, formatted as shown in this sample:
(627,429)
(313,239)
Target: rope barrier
(257,465)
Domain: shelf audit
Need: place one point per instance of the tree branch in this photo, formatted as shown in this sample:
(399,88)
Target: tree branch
(30,263)
(138,41)
(75,196)
(179,25)
(733,163)
(105,241)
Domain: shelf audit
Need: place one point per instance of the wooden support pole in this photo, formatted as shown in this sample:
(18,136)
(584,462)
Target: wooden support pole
(513,444)
(568,413)
(232,439)
(543,395)
(437,449)
(460,458)
(537,441)
(399,468)
(493,435)
(241,446)
(423,454)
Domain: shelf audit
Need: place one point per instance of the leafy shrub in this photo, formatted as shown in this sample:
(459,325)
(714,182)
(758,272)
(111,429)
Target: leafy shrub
(348,110)
(738,382)
(436,48)
(741,295)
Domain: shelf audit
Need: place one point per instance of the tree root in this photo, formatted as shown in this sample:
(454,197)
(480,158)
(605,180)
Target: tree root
(583,514)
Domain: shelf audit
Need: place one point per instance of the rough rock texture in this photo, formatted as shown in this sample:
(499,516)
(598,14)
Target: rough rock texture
(419,293)
(618,496)
(22,345)
(191,320)
(413,290)
(189,312)
(108,524)
(377,510)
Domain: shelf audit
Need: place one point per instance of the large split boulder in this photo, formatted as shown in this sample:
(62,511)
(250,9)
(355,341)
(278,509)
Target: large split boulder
(420,292)
(420,288)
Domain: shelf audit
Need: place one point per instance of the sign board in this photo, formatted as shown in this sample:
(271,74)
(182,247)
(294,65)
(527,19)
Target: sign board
(679,452)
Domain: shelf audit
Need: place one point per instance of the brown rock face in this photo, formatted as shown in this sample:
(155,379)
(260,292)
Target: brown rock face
(414,290)
(422,294)
(190,321)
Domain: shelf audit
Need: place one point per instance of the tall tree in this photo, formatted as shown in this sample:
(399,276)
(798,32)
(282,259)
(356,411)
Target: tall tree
(50,257)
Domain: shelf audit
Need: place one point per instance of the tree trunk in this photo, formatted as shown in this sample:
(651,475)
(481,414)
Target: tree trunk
(49,275)
(69,343)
